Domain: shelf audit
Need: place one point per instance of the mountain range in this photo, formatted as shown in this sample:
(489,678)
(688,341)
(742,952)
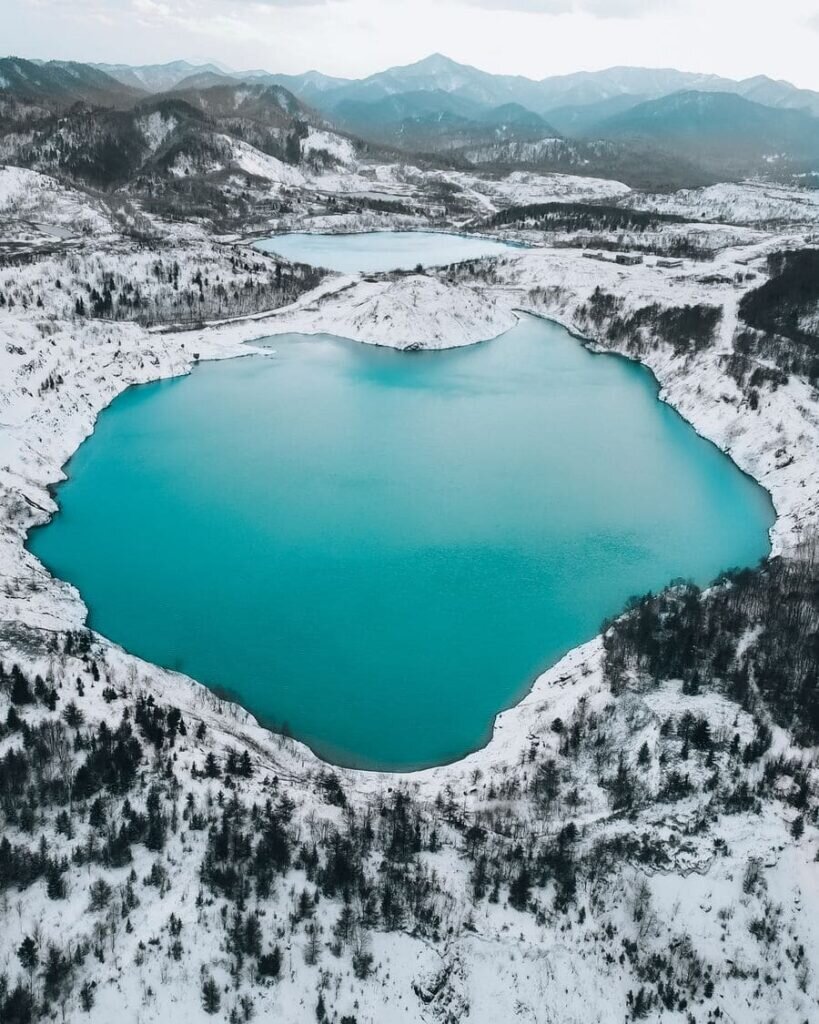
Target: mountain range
(443,76)
(650,120)
(440,74)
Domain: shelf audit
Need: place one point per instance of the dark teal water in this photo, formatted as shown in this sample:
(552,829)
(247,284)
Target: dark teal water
(382,549)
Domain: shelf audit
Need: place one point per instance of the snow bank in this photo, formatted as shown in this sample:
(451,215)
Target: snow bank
(252,161)
(339,148)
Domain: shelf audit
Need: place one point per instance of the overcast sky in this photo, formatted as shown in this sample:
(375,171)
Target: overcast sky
(737,38)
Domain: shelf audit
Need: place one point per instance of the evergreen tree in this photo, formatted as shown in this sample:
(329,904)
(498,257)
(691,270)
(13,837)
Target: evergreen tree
(20,689)
(211,996)
(73,716)
(520,888)
(29,957)
(87,997)
(270,963)
(55,883)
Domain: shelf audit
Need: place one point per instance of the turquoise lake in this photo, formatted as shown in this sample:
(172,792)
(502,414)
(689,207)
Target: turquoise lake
(378,551)
(375,251)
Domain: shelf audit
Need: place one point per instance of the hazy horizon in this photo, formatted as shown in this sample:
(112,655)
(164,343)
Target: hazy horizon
(354,38)
(233,70)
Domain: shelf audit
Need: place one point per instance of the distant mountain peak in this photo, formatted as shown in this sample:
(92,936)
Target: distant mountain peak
(436,60)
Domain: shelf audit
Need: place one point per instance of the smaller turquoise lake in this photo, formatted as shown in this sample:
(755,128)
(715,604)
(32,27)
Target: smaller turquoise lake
(377,251)
(379,550)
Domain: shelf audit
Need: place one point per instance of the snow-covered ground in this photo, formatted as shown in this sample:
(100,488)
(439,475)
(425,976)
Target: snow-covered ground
(523,187)
(486,193)
(253,161)
(750,202)
(319,142)
(417,311)
(35,207)
(495,963)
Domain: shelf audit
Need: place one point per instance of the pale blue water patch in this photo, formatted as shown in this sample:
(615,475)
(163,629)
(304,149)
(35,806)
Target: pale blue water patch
(375,251)
(382,549)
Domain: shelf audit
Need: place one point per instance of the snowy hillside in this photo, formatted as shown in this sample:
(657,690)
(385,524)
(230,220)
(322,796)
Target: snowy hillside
(250,160)
(317,142)
(34,205)
(746,203)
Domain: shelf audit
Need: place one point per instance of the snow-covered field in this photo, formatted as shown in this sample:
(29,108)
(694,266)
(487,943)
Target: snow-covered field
(491,963)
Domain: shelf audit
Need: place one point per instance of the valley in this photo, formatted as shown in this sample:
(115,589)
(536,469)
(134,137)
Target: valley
(635,835)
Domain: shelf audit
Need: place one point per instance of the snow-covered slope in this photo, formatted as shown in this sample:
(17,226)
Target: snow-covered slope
(34,205)
(750,202)
(319,141)
(252,161)
(390,313)
(156,127)
(228,153)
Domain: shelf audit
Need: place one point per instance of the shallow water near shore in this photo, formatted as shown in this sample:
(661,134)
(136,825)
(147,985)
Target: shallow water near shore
(380,550)
(377,251)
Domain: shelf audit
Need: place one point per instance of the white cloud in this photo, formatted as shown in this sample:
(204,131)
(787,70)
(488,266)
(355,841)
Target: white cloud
(597,8)
(279,3)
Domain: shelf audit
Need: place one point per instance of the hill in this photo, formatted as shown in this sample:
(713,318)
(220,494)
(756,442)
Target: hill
(58,85)
(724,132)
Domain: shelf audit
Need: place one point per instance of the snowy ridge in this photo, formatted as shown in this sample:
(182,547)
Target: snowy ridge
(387,313)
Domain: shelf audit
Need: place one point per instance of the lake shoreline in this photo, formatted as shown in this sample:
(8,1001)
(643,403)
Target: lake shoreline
(545,603)
(57,605)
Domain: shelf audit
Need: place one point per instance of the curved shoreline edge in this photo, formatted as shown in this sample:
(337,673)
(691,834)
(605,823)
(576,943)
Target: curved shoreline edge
(774,446)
